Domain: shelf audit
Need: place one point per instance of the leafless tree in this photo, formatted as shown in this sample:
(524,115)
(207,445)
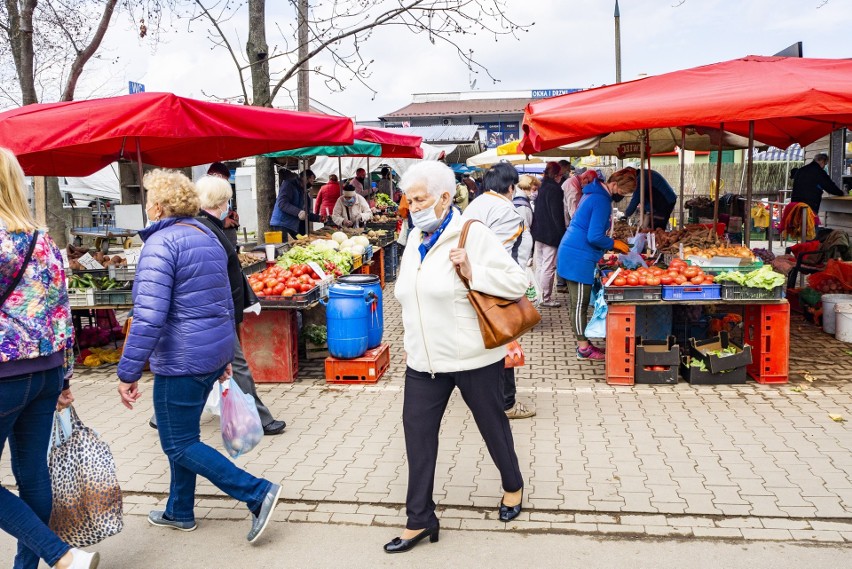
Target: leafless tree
(338,31)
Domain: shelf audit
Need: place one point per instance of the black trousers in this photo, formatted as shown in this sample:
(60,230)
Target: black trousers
(423,408)
(510,388)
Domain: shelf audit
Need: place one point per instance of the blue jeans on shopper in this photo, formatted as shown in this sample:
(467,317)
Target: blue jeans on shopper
(27,403)
(178,403)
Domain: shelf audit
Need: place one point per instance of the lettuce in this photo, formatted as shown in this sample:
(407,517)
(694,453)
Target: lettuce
(763,277)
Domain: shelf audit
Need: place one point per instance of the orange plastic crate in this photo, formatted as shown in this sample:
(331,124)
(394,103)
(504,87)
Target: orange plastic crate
(377,265)
(620,344)
(767,331)
(366,369)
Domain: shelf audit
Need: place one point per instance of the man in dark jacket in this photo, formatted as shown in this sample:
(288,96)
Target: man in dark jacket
(548,227)
(811,181)
(291,208)
(211,189)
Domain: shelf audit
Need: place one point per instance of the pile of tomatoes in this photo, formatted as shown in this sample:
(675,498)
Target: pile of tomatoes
(278,281)
(677,274)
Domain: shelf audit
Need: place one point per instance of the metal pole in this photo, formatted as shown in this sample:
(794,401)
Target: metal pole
(617,16)
(303,79)
(749,186)
(650,186)
(682,172)
(142,199)
(641,183)
(718,178)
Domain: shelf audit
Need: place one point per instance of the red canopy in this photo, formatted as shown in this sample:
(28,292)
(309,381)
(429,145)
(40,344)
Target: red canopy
(80,137)
(790,100)
(394,145)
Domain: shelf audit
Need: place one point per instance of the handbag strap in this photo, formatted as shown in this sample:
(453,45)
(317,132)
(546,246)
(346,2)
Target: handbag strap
(462,241)
(17,279)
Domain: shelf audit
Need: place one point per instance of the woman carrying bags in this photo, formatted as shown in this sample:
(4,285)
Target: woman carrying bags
(36,359)
(583,245)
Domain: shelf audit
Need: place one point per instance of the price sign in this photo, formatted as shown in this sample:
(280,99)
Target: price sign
(132,255)
(320,273)
(65,263)
(89,262)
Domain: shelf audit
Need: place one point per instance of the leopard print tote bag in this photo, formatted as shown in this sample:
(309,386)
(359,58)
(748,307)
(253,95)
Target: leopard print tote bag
(87,504)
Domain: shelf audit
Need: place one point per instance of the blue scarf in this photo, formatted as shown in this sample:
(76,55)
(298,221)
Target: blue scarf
(428,242)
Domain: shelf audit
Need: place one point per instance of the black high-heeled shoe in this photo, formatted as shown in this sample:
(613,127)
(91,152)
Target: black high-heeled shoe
(399,545)
(509,513)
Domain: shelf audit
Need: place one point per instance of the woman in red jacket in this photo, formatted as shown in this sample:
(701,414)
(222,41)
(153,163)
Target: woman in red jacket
(327,197)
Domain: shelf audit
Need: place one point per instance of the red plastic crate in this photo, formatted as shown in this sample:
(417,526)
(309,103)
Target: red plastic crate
(620,344)
(270,342)
(366,369)
(767,331)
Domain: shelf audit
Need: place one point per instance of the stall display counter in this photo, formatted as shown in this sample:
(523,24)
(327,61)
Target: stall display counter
(767,331)
(270,343)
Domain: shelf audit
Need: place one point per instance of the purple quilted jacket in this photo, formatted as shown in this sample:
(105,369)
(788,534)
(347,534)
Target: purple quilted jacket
(183,314)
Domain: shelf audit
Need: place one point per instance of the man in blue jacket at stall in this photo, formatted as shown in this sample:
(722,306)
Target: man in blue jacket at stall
(291,210)
(664,198)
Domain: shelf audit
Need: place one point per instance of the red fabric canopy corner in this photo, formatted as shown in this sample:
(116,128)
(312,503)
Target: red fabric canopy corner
(80,137)
(394,144)
(789,99)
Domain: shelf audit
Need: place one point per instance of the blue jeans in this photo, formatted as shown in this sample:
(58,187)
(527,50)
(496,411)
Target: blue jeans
(178,403)
(27,403)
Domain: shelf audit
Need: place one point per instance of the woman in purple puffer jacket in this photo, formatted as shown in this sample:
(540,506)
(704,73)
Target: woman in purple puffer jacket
(183,322)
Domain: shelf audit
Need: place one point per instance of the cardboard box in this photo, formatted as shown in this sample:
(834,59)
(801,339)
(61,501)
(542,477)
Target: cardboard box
(657,353)
(720,369)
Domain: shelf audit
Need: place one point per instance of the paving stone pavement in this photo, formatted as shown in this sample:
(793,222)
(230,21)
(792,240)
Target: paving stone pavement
(740,462)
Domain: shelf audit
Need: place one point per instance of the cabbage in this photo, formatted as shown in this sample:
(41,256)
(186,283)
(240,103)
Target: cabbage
(348,244)
(361,240)
(357,250)
(339,236)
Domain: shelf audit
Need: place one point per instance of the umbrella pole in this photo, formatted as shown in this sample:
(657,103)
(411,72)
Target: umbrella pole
(749,186)
(306,200)
(141,187)
(641,184)
(650,186)
(682,173)
(718,179)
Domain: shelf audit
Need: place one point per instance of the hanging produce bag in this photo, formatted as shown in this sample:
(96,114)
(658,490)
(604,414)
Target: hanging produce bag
(241,428)
(596,327)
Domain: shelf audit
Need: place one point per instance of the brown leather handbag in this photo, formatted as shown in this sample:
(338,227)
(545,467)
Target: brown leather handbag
(501,320)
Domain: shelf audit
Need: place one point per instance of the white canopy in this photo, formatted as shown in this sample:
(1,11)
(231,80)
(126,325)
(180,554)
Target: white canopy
(327,165)
(102,184)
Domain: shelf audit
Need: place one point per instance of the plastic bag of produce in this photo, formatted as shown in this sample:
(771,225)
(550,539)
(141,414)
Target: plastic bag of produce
(241,428)
(596,328)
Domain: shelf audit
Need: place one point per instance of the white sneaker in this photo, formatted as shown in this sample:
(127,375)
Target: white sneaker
(83,559)
(551,304)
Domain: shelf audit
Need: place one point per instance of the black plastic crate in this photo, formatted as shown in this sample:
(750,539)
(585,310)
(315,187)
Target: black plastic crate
(697,377)
(301,300)
(738,292)
(632,293)
(391,262)
(657,353)
(720,370)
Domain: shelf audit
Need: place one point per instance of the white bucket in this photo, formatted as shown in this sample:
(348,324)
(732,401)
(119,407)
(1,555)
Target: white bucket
(828,303)
(843,312)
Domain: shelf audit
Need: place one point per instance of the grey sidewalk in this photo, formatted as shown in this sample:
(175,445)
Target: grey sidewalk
(689,455)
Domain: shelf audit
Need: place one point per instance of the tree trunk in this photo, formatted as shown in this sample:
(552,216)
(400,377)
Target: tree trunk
(257,51)
(24,47)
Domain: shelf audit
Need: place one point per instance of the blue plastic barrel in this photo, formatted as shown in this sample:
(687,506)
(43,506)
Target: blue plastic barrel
(347,318)
(370,283)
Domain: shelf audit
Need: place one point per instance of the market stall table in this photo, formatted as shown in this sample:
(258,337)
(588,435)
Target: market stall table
(767,331)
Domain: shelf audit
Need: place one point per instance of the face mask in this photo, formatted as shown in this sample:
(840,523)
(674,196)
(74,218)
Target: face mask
(617,198)
(150,223)
(349,201)
(223,215)
(533,196)
(426,220)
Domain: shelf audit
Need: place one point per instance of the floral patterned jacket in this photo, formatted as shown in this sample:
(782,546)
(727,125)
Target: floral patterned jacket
(35,321)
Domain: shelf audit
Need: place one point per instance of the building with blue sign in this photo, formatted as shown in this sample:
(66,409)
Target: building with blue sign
(498,114)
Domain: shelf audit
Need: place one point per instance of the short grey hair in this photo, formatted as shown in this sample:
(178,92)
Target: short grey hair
(213,191)
(435,176)
(821,157)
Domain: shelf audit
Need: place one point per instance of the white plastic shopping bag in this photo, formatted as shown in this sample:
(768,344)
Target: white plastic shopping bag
(241,428)
(213,405)
(533,290)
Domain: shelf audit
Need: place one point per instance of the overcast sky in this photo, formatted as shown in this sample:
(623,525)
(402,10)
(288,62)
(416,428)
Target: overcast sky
(570,45)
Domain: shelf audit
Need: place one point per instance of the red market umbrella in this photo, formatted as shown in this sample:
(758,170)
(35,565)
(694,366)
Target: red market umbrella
(790,100)
(394,145)
(80,137)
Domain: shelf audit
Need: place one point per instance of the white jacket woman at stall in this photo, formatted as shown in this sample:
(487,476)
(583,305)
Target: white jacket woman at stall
(351,209)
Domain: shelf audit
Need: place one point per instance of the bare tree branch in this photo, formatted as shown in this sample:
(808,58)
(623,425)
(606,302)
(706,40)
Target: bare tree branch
(227,45)
(84,55)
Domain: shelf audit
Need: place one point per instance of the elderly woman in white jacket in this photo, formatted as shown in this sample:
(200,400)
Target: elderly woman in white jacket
(444,345)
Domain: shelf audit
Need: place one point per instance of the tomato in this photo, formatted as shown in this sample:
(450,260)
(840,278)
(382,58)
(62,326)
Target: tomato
(292,282)
(690,272)
(708,279)
(313,274)
(298,270)
(259,293)
(666,279)
(267,291)
(653,280)
(632,280)
(270,282)
(305,287)
(279,288)
(305,278)
(256,286)
(286,274)
(643,280)
(288,292)
(680,279)
(619,281)
(656,271)
(697,280)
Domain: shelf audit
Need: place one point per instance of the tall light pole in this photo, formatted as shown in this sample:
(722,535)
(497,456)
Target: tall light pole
(303,77)
(617,16)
